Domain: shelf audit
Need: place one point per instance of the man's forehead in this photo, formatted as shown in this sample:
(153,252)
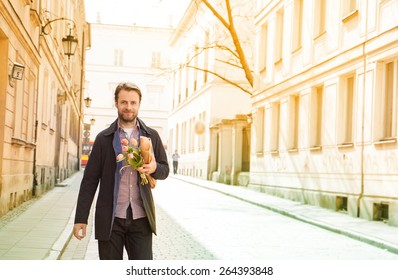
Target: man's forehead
(128,94)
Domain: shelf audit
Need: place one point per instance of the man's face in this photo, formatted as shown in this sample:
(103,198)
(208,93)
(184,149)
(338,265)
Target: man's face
(127,105)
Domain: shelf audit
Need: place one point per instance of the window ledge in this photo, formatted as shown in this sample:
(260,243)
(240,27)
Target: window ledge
(293,150)
(315,148)
(350,16)
(297,50)
(318,36)
(273,152)
(30,145)
(386,141)
(18,142)
(345,145)
(278,61)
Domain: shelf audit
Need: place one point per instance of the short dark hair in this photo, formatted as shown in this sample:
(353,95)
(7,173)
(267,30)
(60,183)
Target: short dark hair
(128,87)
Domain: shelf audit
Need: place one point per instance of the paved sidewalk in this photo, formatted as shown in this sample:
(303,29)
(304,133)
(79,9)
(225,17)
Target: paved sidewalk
(44,229)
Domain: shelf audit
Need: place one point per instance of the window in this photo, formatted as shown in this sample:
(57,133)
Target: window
(294,103)
(262,49)
(346,110)
(259,128)
(195,70)
(297,24)
(191,135)
(184,138)
(187,77)
(206,57)
(177,137)
(319,17)
(275,117)
(45,98)
(156,59)
(118,57)
(316,117)
(279,36)
(153,99)
(348,7)
(389,100)
(53,105)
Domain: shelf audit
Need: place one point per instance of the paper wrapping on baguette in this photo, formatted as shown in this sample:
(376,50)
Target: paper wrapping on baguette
(147,155)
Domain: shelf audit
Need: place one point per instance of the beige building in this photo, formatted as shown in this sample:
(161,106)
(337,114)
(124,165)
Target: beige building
(41,107)
(325,109)
(138,54)
(201,98)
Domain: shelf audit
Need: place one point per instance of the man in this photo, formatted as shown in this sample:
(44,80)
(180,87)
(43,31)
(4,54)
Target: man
(125,212)
(175,157)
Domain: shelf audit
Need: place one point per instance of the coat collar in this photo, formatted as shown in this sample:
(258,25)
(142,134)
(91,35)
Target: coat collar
(113,127)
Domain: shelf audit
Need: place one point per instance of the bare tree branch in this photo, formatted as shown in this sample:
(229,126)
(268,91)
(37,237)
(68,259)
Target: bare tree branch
(234,35)
(221,77)
(216,14)
(229,63)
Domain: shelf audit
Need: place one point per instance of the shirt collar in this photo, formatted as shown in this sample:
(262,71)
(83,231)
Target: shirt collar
(121,128)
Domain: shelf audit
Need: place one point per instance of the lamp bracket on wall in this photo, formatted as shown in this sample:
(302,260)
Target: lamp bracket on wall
(69,42)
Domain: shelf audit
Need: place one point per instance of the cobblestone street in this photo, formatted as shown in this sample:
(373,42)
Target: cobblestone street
(171,243)
(196,223)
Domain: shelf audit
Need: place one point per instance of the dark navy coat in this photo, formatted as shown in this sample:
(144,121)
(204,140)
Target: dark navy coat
(102,170)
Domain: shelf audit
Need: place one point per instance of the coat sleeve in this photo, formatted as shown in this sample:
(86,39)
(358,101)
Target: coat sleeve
(89,184)
(162,169)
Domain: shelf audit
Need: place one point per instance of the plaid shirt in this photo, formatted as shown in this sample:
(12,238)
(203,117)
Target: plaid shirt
(129,189)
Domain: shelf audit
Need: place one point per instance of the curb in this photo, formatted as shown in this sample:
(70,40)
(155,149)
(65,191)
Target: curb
(63,240)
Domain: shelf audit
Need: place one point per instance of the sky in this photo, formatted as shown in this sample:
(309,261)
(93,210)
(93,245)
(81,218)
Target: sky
(159,13)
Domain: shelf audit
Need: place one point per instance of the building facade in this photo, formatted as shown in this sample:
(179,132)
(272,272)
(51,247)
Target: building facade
(136,54)
(41,107)
(325,123)
(206,94)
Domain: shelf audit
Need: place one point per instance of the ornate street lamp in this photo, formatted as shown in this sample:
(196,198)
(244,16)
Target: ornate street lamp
(87,101)
(69,42)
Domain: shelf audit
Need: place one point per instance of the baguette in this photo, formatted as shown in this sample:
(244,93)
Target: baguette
(147,155)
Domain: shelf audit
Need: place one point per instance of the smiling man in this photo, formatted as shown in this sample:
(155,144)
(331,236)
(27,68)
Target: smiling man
(125,211)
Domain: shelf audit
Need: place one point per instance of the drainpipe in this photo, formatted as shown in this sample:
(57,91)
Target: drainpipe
(34,185)
(81,105)
(363,115)
(34,169)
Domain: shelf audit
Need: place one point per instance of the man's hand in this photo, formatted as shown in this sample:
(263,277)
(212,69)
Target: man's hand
(148,168)
(76,231)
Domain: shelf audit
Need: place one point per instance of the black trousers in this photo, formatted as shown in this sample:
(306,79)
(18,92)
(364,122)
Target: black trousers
(134,235)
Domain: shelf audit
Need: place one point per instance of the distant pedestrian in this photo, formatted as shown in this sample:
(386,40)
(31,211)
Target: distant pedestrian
(125,212)
(175,157)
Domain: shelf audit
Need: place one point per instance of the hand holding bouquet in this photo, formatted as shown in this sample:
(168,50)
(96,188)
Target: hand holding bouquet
(137,157)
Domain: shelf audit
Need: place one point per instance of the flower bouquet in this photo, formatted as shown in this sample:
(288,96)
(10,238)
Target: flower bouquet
(136,156)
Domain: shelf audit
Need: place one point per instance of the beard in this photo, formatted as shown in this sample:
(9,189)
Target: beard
(127,119)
